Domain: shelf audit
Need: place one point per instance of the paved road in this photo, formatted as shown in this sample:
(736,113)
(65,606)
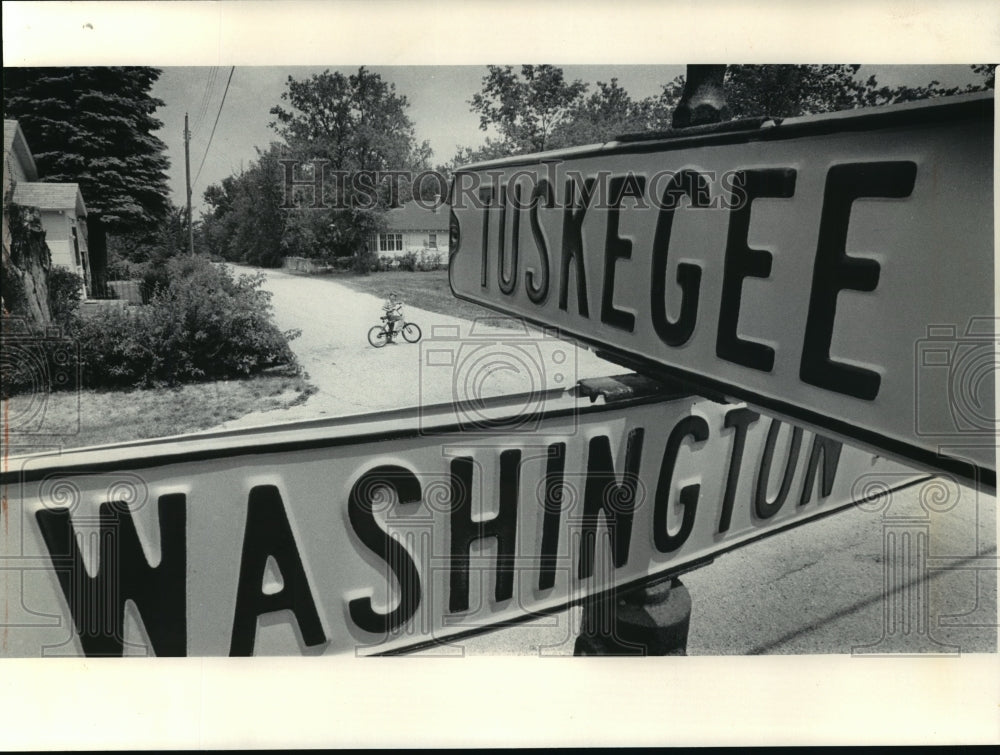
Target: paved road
(352,377)
(816,589)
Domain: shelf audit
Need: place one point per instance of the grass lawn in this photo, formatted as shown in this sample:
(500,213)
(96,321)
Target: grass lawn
(87,418)
(425,290)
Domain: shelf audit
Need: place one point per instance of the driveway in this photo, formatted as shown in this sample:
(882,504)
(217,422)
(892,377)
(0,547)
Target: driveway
(455,359)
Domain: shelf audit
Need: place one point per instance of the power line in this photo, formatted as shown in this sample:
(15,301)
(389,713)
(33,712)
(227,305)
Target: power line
(221,103)
(206,97)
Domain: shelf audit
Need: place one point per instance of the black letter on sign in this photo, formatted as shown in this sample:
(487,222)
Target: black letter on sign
(554,468)
(97,604)
(464,531)
(269,534)
(603,494)
(508,282)
(764,508)
(742,262)
(740,419)
(486,198)
(688,276)
(830,451)
(572,245)
(617,248)
(697,428)
(359,511)
(539,292)
(834,271)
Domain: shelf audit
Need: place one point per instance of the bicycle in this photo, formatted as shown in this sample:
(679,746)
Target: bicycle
(378,334)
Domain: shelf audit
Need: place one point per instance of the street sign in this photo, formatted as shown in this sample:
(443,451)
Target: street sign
(836,270)
(389,531)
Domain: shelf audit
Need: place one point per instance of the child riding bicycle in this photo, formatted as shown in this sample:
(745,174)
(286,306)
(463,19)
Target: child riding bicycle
(393,311)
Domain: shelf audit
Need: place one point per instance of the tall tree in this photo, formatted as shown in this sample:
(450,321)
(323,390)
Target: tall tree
(611,111)
(751,90)
(94,126)
(357,122)
(527,107)
(246,222)
(791,90)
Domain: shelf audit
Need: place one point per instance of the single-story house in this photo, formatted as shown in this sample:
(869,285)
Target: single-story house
(413,228)
(60,205)
(64,218)
(19,165)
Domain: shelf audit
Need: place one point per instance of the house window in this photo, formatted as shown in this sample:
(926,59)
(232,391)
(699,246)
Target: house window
(390,242)
(432,240)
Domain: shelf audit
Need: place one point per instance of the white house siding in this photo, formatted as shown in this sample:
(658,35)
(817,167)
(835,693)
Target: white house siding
(413,241)
(62,255)
(58,236)
(15,172)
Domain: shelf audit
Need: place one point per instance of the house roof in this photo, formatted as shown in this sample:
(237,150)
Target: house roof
(412,217)
(15,144)
(51,196)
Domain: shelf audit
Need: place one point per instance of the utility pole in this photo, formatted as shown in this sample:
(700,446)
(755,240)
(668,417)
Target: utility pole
(187,181)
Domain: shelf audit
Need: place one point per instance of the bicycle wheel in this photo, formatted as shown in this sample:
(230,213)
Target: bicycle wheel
(376,336)
(411,332)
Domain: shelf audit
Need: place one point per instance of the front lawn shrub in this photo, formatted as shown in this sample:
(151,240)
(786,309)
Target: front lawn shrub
(386,263)
(408,262)
(343,264)
(65,294)
(365,262)
(202,324)
(429,261)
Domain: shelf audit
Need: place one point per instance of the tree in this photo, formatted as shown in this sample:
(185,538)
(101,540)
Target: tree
(539,110)
(168,238)
(611,111)
(247,222)
(790,90)
(751,90)
(358,123)
(526,108)
(94,126)
(490,150)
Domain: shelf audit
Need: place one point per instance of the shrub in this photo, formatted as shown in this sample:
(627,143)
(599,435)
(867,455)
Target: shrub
(408,262)
(343,264)
(365,262)
(202,325)
(123,269)
(386,263)
(35,361)
(155,278)
(429,261)
(65,294)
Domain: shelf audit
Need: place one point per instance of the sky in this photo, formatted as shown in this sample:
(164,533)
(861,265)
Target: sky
(438,97)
